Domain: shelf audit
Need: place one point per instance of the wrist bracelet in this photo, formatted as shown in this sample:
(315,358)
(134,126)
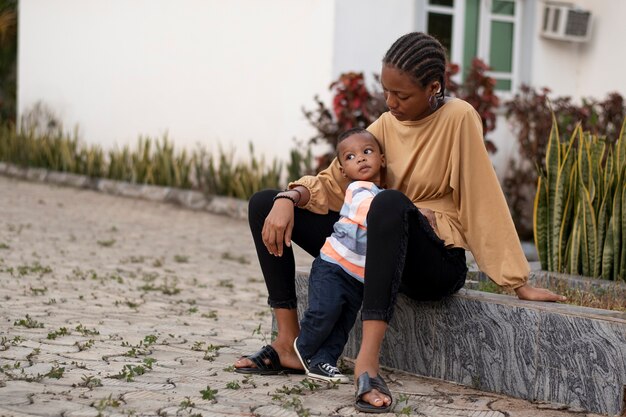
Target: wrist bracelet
(293,200)
(299,195)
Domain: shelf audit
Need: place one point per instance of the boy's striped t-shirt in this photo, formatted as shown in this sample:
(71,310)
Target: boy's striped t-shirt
(347,244)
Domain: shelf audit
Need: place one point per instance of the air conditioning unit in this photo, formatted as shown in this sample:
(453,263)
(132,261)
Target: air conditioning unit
(566,22)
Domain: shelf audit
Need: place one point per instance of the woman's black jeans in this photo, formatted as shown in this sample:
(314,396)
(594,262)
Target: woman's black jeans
(403,254)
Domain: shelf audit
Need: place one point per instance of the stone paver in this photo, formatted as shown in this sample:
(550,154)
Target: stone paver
(123,307)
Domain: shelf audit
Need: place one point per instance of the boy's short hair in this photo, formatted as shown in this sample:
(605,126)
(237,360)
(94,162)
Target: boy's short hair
(355,131)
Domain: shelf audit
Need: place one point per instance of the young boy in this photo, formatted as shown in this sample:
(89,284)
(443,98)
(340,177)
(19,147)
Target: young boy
(336,279)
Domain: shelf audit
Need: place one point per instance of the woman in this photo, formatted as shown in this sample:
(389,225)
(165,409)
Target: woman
(443,197)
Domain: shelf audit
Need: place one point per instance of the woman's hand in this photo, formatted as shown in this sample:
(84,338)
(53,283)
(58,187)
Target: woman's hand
(528,292)
(430,216)
(278,226)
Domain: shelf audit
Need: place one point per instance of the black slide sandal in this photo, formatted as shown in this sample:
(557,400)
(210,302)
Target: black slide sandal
(365,384)
(262,368)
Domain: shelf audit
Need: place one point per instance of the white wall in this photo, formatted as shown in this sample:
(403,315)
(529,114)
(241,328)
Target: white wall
(603,58)
(205,71)
(590,69)
(365,29)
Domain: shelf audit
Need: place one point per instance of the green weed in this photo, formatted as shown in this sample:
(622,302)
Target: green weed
(239,259)
(29,323)
(233,385)
(181,259)
(106,243)
(209,394)
(58,333)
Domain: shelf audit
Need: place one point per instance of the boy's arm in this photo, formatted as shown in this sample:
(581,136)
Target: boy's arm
(358,199)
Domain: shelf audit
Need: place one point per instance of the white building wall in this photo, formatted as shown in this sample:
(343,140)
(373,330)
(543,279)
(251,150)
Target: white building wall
(589,69)
(207,71)
(603,59)
(365,29)
(229,72)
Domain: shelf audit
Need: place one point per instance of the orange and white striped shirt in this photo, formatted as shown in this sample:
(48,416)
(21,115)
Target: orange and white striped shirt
(347,244)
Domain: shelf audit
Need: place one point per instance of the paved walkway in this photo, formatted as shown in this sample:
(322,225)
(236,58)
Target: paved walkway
(121,307)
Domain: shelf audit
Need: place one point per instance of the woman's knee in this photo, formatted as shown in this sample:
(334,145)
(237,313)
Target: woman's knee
(261,200)
(388,205)
(259,207)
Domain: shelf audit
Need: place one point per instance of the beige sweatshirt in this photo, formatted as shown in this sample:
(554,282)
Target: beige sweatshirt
(440,162)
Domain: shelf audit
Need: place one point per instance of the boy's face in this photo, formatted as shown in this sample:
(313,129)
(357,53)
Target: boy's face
(360,158)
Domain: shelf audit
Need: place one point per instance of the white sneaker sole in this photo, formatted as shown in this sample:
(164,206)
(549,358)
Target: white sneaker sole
(337,379)
(306,368)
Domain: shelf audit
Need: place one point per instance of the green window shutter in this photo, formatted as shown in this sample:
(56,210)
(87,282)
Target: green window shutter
(501,51)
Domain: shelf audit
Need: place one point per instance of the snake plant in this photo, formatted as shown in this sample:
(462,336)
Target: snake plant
(580,206)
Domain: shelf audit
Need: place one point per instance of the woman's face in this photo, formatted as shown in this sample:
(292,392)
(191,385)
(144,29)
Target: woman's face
(406,99)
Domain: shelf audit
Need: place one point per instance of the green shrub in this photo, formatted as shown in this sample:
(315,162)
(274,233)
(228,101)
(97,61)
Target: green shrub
(153,161)
(529,113)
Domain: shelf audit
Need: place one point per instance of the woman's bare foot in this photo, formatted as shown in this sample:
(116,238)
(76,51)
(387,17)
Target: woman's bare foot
(367,359)
(286,354)
(374,397)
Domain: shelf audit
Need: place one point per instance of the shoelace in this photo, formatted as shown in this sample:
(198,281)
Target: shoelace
(330,369)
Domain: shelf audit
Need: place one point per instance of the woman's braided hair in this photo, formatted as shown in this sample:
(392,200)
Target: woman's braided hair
(421,56)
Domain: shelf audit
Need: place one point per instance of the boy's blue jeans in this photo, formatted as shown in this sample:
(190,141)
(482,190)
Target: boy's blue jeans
(335,298)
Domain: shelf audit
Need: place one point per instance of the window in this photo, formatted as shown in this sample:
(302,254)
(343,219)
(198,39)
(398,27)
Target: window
(498,45)
(442,20)
(488,29)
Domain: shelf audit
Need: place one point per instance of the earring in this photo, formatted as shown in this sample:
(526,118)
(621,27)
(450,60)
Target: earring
(433,102)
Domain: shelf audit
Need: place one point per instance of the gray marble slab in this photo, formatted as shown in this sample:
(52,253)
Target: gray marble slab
(548,352)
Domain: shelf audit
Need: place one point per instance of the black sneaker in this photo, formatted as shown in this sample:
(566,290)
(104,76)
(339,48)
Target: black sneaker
(327,372)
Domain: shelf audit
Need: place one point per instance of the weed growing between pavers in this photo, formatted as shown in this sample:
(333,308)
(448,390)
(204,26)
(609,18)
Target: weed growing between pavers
(84,346)
(226,283)
(6,343)
(289,397)
(284,397)
(181,259)
(185,404)
(27,269)
(141,349)
(233,385)
(88,381)
(56,372)
(29,323)
(18,228)
(209,394)
(210,315)
(106,243)
(239,259)
(129,372)
(85,331)
(58,333)
(407,409)
(105,403)
(211,353)
(38,291)
(165,288)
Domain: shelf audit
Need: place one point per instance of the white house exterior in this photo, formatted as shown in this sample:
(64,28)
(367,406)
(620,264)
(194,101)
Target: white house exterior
(231,72)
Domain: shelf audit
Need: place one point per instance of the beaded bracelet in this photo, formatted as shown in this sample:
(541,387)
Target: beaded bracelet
(293,200)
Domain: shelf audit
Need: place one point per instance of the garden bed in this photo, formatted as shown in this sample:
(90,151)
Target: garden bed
(580,291)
